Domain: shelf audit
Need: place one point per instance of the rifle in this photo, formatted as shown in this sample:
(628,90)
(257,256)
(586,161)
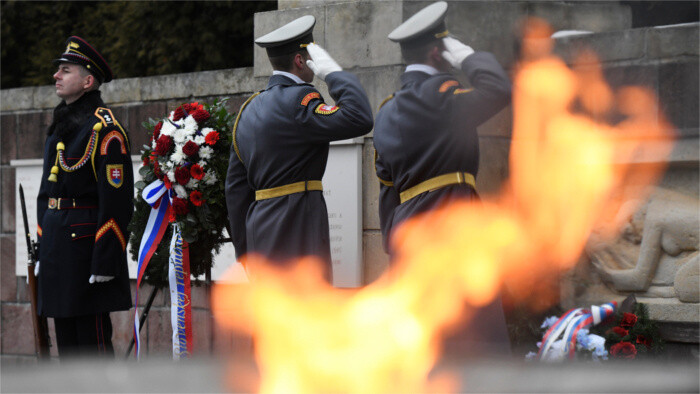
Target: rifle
(41,331)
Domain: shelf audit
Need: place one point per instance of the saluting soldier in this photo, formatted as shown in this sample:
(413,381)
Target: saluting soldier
(427,148)
(83,208)
(280,148)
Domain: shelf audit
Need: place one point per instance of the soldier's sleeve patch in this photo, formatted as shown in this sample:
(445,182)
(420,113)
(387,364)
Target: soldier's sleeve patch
(446,85)
(324,109)
(112,136)
(309,97)
(460,91)
(111,225)
(115,174)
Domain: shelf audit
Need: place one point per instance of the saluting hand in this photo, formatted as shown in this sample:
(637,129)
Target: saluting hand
(321,62)
(100,278)
(455,52)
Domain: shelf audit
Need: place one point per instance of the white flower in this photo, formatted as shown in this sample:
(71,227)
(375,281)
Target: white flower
(190,126)
(202,164)
(210,177)
(199,140)
(180,191)
(171,175)
(206,152)
(167,129)
(548,322)
(172,115)
(178,156)
(153,144)
(180,136)
(192,184)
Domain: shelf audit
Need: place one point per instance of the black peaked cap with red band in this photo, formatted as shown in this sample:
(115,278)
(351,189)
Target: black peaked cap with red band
(79,51)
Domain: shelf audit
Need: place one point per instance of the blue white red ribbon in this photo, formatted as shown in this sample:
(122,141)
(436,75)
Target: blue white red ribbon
(157,197)
(569,324)
(180,296)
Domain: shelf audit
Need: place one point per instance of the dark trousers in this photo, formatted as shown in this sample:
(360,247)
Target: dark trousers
(84,336)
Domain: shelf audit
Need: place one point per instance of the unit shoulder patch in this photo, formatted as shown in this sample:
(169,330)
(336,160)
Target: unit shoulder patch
(447,85)
(461,91)
(324,109)
(314,95)
(112,136)
(115,175)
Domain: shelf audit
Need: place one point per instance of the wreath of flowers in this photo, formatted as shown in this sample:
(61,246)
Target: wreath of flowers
(632,335)
(189,153)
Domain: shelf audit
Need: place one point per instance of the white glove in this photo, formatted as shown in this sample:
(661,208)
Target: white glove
(321,62)
(455,52)
(100,278)
(36,269)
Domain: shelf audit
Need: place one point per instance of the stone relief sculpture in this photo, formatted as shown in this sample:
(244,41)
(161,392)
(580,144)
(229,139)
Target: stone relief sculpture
(657,254)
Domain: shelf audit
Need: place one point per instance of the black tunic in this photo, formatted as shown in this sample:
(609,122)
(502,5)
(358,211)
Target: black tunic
(283,137)
(78,243)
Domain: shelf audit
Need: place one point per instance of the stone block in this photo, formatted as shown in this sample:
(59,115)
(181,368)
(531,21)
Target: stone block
(356,33)
(379,83)
(493,164)
(375,259)
(161,299)
(483,25)
(16,99)
(31,134)
(610,46)
(595,17)
(201,332)
(632,75)
(370,188)
(678,93)
(121,113)
(158,330)
(123,90)
(17,333)
(8,279)
(122,332)
(45,98)
(266,22)
(7,191)
(22,287)
(672,41)
(8,138)
(173,86)
(138,114)
(200,296)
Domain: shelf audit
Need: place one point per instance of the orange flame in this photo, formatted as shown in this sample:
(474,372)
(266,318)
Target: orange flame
(570,173)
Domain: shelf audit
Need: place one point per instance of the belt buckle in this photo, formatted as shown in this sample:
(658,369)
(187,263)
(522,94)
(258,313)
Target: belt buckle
(460,177)
(53,203)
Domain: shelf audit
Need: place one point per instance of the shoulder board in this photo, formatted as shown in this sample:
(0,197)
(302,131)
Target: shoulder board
(106,116)
(386,100)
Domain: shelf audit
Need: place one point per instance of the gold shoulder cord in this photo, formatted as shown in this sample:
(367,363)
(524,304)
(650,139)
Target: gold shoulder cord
(106,119)
(235,125)
(88,154)
(386,100)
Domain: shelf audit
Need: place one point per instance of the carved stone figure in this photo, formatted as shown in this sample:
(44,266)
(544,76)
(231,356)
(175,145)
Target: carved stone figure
(667,262)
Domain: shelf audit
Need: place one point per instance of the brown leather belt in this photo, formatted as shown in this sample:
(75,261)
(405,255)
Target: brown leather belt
(71,203)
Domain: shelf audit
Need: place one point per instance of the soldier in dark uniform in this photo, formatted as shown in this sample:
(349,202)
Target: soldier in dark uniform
(280,149)
(84,205)
(427,148)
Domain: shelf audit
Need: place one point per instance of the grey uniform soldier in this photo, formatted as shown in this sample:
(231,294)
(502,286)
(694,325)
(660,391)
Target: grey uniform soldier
(427,148)
(280,149)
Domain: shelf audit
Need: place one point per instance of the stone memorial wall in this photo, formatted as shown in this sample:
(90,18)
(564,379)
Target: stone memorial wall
(354,33)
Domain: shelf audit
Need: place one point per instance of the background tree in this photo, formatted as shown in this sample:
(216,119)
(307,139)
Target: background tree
(138,38)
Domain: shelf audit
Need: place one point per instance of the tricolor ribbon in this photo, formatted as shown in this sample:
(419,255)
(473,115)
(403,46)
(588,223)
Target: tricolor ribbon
(180,296)
(157,196)
(569,324)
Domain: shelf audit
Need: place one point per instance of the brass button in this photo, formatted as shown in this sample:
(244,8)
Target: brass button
(73,235)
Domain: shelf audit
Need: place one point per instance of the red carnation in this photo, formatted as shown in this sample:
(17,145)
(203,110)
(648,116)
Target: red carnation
(156,168)
(190,148)
(180,206)
(156,131)
(197,172)
(200,115)
(167,183)
(146,160)
(211,138)
(182,175)
(196,198)
(163,145)
(179,113)
(620,331)
(623,350)
(628,320)
(642,340)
